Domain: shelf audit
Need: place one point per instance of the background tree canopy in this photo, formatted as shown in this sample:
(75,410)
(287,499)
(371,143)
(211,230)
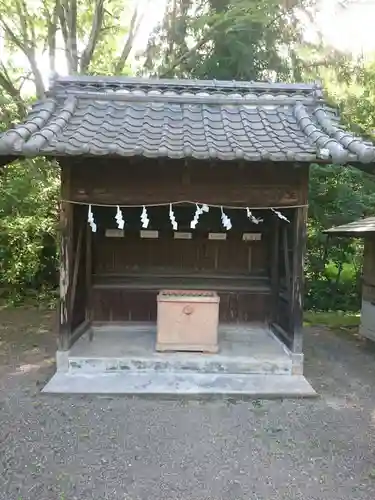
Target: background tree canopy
(222,39)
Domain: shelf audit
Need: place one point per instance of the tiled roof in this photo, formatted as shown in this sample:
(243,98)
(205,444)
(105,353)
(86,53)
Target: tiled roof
(184,118)
(356,228)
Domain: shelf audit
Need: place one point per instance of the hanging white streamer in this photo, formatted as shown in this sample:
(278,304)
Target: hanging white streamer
(144,218)
(280,215)
(225,220)
(200,209)
(198,212)
(172,218)
(91,221)
(119,218)
(251,217)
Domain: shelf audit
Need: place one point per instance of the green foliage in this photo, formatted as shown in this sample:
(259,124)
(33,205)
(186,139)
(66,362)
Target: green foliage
(356,97)
(223,39)
(91,37)
(28,217)
(337,195)
(226,39)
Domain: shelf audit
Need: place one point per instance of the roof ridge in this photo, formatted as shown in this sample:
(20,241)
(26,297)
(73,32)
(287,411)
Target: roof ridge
(199,98)
(103,81)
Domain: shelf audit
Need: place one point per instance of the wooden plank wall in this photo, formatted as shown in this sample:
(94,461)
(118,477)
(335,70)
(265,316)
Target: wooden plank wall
(140,305)
(146,181)
(137,182)
(73,291)
(165,254)
(368,289)
(80,237)
(367,328)
(288,316)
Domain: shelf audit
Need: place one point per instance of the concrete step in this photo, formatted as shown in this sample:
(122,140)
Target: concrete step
(183,362)
(179,384)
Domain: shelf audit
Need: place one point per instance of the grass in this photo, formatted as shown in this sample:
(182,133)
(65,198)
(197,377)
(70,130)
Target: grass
(335,320)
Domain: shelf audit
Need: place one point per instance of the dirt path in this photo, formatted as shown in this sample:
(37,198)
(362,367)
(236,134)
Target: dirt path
(54,448)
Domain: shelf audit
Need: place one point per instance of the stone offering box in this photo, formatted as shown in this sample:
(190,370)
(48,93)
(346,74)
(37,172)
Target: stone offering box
(187,321)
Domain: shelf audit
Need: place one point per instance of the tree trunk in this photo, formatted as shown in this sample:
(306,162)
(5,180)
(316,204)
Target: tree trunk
(96,27)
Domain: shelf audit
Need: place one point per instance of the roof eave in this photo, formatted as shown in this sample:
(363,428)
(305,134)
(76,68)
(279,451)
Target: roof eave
(8,159)
(347,234)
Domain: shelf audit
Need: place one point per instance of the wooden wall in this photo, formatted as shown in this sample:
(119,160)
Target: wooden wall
(121,305)
(288,279)
(80,295)
(168,255)
(368,288)
(129,272)
(147,181)
(130,182)
(367,328)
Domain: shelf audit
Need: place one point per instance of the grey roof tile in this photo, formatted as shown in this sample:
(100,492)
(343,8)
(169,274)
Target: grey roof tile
(184,118)
(357,228)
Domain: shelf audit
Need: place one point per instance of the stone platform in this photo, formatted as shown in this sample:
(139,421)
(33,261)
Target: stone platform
(122,359)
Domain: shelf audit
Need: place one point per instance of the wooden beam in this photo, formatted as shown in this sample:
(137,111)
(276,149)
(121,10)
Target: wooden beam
(282,334)
(78,332)
(220,187)
(299,248)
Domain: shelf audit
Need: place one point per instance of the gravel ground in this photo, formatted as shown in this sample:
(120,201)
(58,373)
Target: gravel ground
(54,448)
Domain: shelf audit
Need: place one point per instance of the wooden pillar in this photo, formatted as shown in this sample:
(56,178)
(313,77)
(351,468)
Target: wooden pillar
(88,273)
(275,270)
(287,270)
(296,295)
(66,260)
(77,262)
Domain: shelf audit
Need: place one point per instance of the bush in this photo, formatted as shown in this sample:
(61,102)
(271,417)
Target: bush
(324,295)
(28,216)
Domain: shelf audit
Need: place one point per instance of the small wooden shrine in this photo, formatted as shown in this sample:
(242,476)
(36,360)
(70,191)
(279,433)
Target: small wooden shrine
(365,229)
(196,185)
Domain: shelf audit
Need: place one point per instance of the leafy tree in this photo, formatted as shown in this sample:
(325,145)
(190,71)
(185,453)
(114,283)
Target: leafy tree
(338,195)
(91,36)
(356,98)
(28,220)
(341,194)
(227,39)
